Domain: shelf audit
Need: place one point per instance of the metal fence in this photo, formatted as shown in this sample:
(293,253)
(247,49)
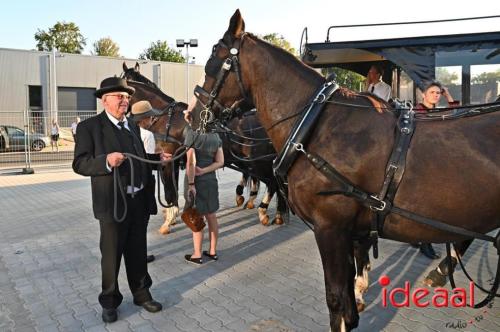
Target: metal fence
(30,138)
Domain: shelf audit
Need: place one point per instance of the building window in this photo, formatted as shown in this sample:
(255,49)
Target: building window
(73,102)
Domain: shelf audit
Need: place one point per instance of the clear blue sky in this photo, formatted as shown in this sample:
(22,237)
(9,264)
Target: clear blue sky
(134,26)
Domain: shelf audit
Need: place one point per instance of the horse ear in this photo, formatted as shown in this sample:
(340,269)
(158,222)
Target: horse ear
(136,68)
(125,68)
(236,25)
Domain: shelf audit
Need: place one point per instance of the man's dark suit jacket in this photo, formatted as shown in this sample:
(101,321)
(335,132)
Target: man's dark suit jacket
(95,139)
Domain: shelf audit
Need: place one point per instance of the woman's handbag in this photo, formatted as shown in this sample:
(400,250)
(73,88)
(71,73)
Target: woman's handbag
(190,216)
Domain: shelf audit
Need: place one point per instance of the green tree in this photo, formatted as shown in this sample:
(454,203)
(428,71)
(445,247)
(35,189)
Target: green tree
(65,37)
(446,77)
(106,47)
(160,51)
(487,77)
(280,41)
(345,78)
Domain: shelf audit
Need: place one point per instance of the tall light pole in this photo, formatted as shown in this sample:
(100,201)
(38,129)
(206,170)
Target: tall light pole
(54,88)
(182,43)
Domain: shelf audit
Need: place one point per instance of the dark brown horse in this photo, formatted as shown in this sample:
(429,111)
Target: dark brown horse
(452,168)
(245,143)
(169,135)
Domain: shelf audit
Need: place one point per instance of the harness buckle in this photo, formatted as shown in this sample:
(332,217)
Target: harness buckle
(227,64)
(320,99)
(299,147)
(382,206)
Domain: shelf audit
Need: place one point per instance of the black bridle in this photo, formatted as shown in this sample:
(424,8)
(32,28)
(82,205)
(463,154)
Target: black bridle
(219,69)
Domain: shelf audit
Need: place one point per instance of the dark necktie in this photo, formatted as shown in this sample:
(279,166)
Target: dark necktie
(121,124)
(373,88)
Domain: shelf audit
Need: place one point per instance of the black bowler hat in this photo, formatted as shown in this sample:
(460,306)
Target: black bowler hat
(113,84)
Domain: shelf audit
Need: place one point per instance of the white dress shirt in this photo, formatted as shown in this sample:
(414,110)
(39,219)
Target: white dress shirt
(148,138)
(380,89)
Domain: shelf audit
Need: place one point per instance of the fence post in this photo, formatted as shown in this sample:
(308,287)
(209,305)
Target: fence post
(27,144)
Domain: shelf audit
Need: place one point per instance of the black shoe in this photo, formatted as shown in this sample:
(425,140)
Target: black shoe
(109,315)
(428,251)
(150,258)
(212,257)
(197,261)
(151,306)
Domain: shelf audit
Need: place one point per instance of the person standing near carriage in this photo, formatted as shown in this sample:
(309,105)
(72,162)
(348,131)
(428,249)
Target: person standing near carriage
(375,84)
(204,157)
(142,113)
(101,142)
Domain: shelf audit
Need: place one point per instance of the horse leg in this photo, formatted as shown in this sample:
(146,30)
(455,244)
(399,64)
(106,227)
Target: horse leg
(336,250)
(263,217)
(282,213)
(438,276)
(239,190)
(170,188)
(170,216)
(254,190)
(362,260)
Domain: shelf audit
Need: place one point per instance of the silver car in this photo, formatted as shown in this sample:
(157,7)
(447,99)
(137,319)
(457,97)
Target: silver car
(13,138)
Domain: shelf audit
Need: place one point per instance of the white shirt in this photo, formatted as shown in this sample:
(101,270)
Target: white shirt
(148,138)
(380,89)
(73,127)
(115,121)
(54,130)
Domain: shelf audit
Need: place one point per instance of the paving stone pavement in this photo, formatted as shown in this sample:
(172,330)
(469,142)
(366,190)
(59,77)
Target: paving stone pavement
(267,278)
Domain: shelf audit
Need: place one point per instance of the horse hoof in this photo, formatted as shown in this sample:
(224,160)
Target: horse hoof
(435,279)
(250,205)
(164,230)
(360,306)
(265,220)
(278,221)
(239,200)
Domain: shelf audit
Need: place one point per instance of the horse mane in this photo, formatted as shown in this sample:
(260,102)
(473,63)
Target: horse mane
(157,91)
(291,60)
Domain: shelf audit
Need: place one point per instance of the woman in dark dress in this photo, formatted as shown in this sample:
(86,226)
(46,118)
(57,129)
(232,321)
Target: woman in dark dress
(203,158)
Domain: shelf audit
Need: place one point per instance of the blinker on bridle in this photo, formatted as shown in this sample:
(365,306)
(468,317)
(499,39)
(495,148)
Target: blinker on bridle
(231,63)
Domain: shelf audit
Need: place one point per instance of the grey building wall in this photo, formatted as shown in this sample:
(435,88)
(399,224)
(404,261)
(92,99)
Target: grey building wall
(21,68)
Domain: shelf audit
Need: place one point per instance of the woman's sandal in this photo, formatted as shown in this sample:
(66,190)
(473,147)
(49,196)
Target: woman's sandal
(212,257)
(197,261)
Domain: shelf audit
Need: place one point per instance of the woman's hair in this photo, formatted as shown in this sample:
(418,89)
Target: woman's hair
(433,83)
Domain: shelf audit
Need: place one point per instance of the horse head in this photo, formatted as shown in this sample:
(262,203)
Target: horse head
(223,70)
(134,74)
(168,127)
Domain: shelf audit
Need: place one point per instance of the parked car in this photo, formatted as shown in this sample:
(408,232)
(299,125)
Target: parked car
(13,138)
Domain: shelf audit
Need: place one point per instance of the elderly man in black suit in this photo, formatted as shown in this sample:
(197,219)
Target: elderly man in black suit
(101,142)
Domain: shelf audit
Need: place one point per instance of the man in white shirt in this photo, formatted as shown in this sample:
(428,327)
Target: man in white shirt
(142,113)
(375,83)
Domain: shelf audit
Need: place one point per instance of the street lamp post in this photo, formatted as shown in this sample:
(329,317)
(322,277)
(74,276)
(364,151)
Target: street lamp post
(182,43)
(54,87)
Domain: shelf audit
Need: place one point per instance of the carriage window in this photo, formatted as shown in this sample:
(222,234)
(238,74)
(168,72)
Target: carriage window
(450,77)
(485,83)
